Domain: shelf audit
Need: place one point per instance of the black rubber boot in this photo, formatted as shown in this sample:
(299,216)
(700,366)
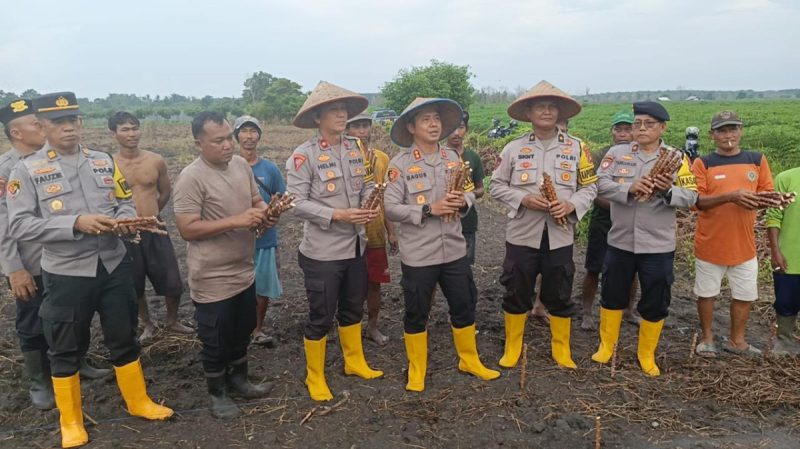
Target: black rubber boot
(219,403)
(41,389)
(239,384)
(89,372)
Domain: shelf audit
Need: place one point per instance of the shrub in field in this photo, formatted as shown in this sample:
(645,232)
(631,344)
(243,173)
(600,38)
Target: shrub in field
(439,79)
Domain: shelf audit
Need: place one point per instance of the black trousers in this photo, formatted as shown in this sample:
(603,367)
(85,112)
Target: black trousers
(67,310)
(335,288)
(520,268)
(655,279)
(28,324)
(224,328)
(455,280)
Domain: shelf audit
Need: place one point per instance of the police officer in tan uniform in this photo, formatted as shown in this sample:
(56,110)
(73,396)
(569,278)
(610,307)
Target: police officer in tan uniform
(20,260)
(535,243)
(328,176)
(67,197)
(432,248)
(642,236)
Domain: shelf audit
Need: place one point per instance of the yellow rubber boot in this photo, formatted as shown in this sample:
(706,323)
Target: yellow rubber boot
(353,351)
(515,328)
(315,369)
(67,391)
(610,322)
(469,362)
(417,353)
(130,380)
(649,333)
(559,341)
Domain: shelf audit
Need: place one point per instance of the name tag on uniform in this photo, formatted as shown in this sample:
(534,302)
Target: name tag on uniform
(720,176)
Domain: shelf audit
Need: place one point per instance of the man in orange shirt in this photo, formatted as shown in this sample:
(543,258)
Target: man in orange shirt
(727,182)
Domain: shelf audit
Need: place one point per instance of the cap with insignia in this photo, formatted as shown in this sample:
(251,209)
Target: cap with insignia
(16,109)
(724,118)
(651,108)
(57,105)
(623,116)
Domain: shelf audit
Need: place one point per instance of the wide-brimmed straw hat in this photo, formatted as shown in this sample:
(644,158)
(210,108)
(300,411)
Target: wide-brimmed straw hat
(359,117)
(567,106)
(449,112)
(326,93)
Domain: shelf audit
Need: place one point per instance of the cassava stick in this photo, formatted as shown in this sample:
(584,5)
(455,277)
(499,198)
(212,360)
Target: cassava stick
(548,191)
(456,183)
(668,162)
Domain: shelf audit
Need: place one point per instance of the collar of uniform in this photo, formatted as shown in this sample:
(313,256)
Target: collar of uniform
(647,157)
(418,155)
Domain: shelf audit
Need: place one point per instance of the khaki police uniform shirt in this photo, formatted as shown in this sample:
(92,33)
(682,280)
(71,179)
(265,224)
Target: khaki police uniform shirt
(220,267)
(14,256)
(323,178)
(520,172)
(416,179)
(45,197)
(642,227)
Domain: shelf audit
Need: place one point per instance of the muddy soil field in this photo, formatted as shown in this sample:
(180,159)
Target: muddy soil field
(723,403)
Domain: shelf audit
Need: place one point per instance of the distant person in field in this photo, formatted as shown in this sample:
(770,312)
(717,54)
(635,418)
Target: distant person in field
(536,244)
(599,225)
(469,223)
(641,240)
(268,177)
(328,176)
(379,230)
(783,232)
(724,241)
(153,257)
(217,209)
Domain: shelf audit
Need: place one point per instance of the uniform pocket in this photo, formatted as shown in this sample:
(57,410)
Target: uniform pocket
(524,173)
(565,177)
(317,302)
(58,323)
(419,191)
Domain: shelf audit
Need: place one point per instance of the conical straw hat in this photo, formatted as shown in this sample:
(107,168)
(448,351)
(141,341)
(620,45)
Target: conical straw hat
(326,93)
(567,106)
(449,112)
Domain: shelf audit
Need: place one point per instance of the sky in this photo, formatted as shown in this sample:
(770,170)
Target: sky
(199,47)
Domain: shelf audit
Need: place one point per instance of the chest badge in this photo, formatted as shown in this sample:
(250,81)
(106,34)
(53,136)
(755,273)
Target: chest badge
(523,177)
(330,174)
(526,150)
(56,205)
(331,187)
(566,176)
(752,176)
(420,199)
(53,188)
(324,158)
(44,170)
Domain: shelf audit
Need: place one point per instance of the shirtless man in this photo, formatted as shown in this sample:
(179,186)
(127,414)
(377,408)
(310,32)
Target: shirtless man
(154,256)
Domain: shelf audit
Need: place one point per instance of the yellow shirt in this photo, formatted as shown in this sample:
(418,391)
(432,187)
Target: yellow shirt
(376,230)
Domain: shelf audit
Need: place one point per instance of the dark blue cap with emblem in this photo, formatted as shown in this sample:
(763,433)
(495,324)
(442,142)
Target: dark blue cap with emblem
(651,108)
(57,105)
(15,109)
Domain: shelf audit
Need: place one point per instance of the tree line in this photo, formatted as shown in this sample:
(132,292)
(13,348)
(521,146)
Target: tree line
(276,99)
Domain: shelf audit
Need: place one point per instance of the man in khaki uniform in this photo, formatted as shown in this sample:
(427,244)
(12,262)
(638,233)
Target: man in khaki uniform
(328,177)
(642,236)
(217,209)
(68,197)
(432,247)
(535,243)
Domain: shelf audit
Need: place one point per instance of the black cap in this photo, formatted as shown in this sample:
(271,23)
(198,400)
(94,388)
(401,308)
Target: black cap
(57,105)
(15,109)
(651,108)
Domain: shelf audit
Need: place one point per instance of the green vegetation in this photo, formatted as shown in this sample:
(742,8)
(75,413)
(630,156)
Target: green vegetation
(769,126)
(440,79)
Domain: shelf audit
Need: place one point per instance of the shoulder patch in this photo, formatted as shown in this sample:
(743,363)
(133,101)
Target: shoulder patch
(298,160)
(13,188)
(393,174)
